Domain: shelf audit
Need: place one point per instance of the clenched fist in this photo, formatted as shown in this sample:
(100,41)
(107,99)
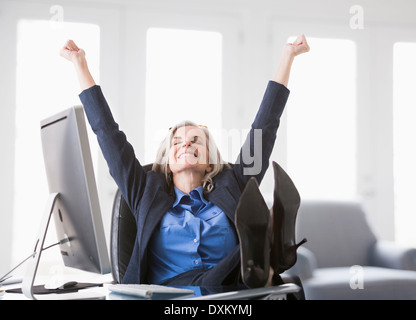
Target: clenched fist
(298,47)
(71,52)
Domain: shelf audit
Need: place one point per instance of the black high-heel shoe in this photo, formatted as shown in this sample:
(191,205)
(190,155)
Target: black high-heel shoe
(253,228)
(284,211)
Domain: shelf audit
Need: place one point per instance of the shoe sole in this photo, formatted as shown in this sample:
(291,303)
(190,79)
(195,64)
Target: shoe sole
(285,207)
(253,229)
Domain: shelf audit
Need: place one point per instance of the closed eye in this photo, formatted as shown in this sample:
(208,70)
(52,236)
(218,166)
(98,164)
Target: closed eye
(196,140)
(176,141)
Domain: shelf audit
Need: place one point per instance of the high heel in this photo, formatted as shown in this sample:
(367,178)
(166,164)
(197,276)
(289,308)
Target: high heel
(284,211)
(253,228)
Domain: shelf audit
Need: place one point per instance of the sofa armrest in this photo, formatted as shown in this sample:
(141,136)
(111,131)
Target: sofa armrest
(305,264)
(389,254)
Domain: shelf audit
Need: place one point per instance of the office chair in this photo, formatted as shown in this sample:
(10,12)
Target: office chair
(123,235)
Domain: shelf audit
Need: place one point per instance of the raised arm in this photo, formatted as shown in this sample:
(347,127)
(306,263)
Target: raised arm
(255,153)
(290,51)
(117,151)
(71,52)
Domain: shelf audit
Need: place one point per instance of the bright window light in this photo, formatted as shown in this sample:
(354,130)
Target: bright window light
(404,114)
(183,82)
(321,120)
(46,84)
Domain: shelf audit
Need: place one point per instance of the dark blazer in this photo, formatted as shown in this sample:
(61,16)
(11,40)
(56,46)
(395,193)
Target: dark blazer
(147,194)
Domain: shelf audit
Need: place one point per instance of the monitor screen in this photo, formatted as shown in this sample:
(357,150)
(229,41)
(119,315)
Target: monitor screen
(70,173)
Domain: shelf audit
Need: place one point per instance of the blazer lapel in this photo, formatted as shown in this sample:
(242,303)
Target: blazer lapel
(225,200)
(158,207)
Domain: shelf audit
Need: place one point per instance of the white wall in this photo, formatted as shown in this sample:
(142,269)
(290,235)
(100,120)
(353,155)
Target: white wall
(254,32)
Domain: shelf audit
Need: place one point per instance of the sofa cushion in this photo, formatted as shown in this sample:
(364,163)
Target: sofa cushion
(370,283)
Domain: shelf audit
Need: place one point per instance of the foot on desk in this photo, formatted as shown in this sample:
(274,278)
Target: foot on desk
(253,228)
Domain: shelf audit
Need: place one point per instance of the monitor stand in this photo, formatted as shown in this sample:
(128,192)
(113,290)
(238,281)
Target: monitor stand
(54,202)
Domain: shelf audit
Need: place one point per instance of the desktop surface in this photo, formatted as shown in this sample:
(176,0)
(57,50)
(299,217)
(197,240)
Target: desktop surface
(102,292)
(205,303)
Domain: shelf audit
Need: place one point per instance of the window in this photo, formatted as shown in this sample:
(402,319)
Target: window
(183,82)
(321,120)
(404,114)
(46,84)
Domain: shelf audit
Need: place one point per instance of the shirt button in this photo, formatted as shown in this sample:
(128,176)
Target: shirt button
(196,262)
(195,240)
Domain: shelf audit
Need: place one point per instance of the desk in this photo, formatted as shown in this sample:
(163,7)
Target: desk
(200,293)
(198,306)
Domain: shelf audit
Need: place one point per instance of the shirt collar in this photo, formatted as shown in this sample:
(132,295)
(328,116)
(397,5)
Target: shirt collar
(179,195)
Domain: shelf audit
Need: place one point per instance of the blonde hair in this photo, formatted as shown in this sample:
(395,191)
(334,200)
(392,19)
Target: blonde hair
(161,163)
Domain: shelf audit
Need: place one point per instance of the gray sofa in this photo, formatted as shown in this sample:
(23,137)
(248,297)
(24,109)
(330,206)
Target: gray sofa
(343,259)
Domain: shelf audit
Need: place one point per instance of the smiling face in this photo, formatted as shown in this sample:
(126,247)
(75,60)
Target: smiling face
(189,150)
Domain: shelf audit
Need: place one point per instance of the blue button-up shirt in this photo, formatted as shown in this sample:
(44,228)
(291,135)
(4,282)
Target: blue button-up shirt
(193,234)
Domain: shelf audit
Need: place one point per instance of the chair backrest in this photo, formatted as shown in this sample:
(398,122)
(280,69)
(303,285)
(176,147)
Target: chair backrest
(123,235)
(338,232)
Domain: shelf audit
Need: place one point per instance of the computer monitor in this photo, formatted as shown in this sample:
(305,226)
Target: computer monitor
(73,200)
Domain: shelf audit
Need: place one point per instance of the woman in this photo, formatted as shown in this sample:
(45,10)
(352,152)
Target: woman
(185,206)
